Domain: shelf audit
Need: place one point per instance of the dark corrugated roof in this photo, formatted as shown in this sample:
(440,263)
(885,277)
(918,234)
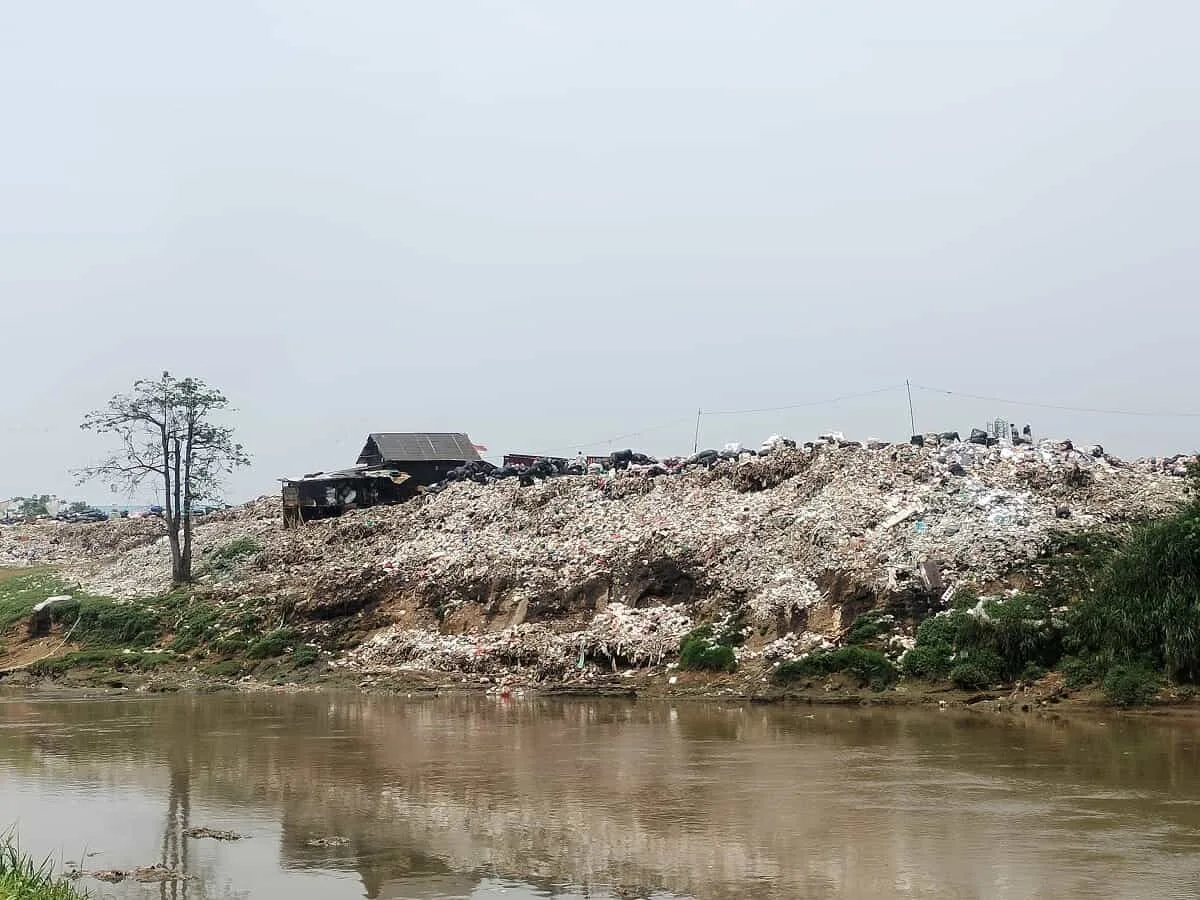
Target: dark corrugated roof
(423,447)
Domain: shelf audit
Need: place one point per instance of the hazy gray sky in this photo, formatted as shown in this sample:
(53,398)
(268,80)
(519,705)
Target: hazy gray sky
(547,223)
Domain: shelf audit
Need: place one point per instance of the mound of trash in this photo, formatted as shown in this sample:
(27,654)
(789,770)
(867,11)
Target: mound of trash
(616,636)
(611,568)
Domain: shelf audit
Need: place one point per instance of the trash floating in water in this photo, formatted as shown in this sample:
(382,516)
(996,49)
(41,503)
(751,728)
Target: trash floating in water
(152,874)
(213,833)
(334,841)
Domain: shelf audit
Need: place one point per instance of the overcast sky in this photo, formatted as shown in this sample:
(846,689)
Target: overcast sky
(551,223)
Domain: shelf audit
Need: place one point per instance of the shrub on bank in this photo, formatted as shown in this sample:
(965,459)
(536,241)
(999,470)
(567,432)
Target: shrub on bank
(869,667)
(274,643)
(1080,671)
(106,658)
(933,655)
(105,623)
(195,623)
(305,655)
(868,629)
(223,558)
(928,662)
(1002,640)
(699,650)
(1146,603)
(977,668)
(1131,685)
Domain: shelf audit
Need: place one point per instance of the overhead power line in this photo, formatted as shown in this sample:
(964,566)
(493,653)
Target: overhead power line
(621,437)
(825,402)
(1059,406)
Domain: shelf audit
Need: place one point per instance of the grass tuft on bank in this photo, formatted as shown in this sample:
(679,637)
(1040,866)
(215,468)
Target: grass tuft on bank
(110,635)
(21,878)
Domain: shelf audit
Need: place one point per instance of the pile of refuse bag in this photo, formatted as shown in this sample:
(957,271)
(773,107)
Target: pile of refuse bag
(483,472)
(626,462)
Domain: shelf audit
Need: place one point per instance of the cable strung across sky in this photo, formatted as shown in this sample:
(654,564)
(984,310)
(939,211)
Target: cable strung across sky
(840,398)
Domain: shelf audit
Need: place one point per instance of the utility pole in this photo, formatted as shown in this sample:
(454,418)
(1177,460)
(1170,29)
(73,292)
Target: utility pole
(696,442)
(912,419)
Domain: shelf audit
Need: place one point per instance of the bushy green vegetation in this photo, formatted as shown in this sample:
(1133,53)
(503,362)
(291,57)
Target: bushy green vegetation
(97,621)
(1128,617)
(101,658)
(273,643)
(195,622)
(116,635)
(867,629)
(230,645)
(869,667)
(226,668)
(700,649)
(711,647)
(933,655)
(100,622)
(23,879)
(305,655)
(21,590)
(860,658)
(978,645)
(1132,685)
(979,668)
(1145,608)
(223,558)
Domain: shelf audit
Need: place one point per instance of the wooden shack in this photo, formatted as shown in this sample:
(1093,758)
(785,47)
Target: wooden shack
(391,468)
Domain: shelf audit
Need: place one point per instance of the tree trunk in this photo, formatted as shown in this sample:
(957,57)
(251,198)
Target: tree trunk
(184,572)
(188,451)
(169,516)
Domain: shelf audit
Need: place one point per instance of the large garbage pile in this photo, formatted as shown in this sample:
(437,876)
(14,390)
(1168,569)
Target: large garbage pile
(800,538)
(616,636)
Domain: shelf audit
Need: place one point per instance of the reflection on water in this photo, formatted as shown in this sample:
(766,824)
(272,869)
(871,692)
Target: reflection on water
(482,798)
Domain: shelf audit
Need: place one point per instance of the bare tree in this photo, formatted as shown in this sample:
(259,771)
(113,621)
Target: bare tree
(166,434)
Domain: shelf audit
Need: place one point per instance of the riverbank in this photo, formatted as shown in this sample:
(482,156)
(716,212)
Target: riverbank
(1046,698)
(828,573)
(172,644)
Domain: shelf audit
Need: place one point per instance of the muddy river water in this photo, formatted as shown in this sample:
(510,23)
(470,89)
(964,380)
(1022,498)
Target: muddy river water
(351,796)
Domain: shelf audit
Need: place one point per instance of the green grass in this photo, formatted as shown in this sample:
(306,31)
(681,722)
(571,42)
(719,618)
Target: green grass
(102,622)
(274,643)
(23,879)
(980,667)
(700,650)
(224,558)
(113,635)
(230,645)
(868,667)
(195,623)
(867,629)
(1135,685)
(226,668)
(107,623)
(21,590)
(305,655)
(1145,606)
(106,658)
(1014,637)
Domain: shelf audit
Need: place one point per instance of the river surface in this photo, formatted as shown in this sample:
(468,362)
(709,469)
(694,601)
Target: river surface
(519,799)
